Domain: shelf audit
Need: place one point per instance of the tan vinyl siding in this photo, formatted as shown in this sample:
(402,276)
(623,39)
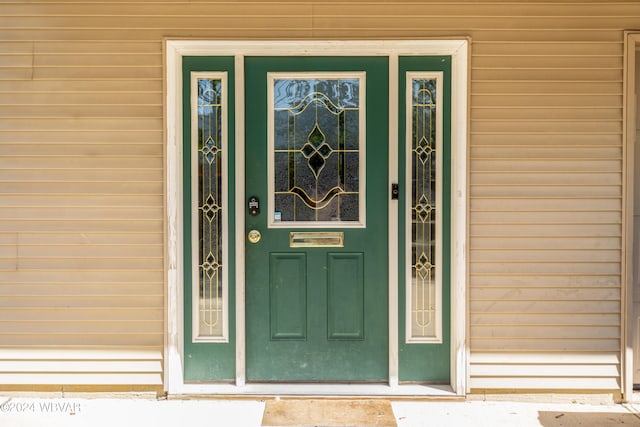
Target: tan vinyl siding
(81,172)
(545,219)
(81,214)
(133,366)
(545,371)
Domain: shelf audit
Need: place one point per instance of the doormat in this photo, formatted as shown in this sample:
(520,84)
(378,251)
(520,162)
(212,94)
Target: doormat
(328,413)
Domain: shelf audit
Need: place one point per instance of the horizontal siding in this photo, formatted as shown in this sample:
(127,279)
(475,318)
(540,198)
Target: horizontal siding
(539,370)
(81,205)
(124,366)
(81,171)
(545,219)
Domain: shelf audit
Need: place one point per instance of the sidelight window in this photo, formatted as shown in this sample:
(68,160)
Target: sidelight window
(424,210)
(208,190)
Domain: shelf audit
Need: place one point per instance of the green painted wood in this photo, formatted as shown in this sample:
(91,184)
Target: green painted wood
(322,355)
(207,361)
(426,361)
(317,358)
(345,300)
(288,296)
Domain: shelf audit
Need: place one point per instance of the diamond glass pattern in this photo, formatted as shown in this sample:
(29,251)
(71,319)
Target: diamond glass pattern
(316,149)
(423,197)
(209,155)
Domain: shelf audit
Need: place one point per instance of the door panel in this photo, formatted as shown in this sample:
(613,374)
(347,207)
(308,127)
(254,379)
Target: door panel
(317,313)
(345,291)
(288,296)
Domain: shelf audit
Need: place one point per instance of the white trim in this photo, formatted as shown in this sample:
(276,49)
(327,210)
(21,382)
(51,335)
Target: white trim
(174,351)
(323,389)
(175,50)
(628,317)
(459,217)
(439,77)
(241,373)
(317,48)
(362,138)
(195,232)
(394,369)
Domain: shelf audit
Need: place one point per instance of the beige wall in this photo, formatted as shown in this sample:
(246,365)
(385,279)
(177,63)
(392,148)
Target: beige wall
(81,176)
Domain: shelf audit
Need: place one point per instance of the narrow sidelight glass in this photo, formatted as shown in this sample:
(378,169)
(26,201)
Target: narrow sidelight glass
(424,300)
(208,191)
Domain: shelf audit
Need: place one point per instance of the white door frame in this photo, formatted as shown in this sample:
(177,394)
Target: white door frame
(175,50)
(629,330)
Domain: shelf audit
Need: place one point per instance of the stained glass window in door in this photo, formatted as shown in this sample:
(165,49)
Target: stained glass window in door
(317,143)
(208,184)
(424,159)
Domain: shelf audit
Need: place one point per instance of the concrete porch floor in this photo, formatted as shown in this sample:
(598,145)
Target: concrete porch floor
(121,411)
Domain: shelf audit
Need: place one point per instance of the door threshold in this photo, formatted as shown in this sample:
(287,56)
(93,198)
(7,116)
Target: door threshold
(320,390)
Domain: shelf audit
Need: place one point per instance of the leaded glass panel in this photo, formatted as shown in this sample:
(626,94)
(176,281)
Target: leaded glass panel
(317,149)
(210,299)
(424,299)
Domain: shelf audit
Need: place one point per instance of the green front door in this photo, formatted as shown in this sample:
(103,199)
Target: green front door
(316,201)
(316,221)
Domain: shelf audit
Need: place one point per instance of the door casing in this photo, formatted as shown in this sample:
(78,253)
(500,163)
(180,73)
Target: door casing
(174,353)
(630,342)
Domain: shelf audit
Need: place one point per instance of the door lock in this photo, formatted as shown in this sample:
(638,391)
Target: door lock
(254,206)
(395,191)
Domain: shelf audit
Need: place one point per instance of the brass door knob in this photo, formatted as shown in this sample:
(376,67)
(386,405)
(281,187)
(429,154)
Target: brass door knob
(254,236)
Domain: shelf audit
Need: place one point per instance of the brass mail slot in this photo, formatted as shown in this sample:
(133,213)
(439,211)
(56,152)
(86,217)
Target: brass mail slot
(310,239)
